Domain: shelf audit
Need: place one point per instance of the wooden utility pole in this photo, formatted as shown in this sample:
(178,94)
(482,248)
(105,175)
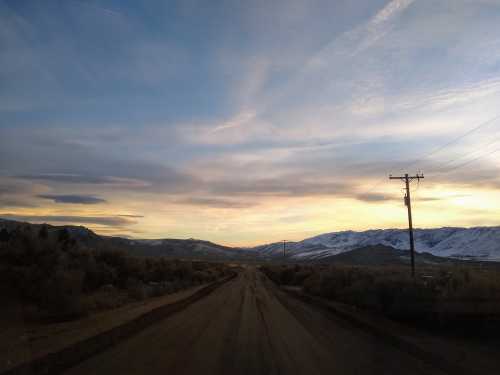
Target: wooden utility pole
(284,248)
(407,179)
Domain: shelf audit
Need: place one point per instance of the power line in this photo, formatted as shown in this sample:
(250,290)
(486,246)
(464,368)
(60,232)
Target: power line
(440,167)
(470,161)
(435,151)
(455,140)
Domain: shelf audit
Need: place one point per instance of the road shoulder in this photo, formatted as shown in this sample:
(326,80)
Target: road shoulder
(77,341)
(452,356)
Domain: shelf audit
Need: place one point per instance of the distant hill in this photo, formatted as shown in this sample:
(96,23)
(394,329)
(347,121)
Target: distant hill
(179,248)
(175,248)
(481,243)
(380,255)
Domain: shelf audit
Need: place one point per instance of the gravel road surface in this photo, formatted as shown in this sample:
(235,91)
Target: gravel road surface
(249,326)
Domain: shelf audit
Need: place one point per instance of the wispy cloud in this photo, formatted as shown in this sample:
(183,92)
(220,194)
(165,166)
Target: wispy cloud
(216,202)
(361,37)
(91,5)
(113,221)
(16,202)
(71,178)
(72,198)
(374,197)
(244,127)
(240,120)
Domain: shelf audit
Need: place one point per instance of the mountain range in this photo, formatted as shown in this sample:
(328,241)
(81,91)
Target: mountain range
(479,243)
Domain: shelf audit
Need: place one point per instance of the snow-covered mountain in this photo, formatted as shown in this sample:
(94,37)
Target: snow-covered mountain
(480,243)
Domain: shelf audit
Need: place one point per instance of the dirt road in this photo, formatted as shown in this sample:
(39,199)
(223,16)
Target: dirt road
(248,326)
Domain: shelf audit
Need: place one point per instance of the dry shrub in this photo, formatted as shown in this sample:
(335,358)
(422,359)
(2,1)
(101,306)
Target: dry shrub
(64,279)
(444,294)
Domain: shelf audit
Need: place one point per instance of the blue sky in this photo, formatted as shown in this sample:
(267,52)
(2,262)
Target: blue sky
(244,122)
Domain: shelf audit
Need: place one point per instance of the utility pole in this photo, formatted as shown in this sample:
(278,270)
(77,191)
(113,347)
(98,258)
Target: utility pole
(407,179)
(284,248)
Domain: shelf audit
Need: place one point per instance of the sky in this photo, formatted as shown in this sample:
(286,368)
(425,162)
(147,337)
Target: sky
(248,122)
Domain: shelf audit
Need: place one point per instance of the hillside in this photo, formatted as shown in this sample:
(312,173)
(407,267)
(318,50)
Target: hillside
(175,248)
(380,255)
(480,243)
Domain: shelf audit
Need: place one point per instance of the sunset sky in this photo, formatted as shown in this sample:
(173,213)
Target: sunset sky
(247,122)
